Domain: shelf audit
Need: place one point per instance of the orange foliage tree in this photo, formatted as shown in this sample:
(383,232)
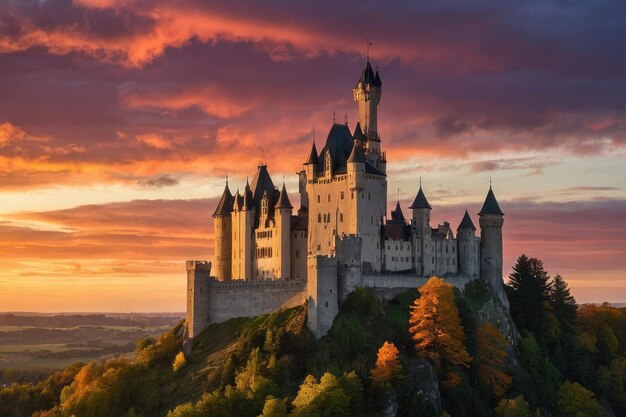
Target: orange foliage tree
(387,363)
(490,359)
(436,329)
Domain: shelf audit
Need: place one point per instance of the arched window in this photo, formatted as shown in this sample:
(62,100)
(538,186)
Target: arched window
(319,217)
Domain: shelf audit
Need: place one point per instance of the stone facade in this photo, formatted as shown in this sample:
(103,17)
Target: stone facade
(267,257)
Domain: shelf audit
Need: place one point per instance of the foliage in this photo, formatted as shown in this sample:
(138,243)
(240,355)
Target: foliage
(573,400)
(274,407)
(528,291)
(387,364)
(437,332)
(491,353)
(513,407)
(179,362)
(562,302)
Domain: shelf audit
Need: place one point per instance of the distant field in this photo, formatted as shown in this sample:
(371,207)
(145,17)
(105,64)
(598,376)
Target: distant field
(41,343)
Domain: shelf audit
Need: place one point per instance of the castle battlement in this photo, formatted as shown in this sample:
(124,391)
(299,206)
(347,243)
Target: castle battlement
(340,239)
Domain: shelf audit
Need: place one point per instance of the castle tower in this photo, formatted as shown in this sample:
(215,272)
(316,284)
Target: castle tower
(367,94)
(282,214)
(222,228)
(468,247)
(356,168)
(242,229)
(421,223)
(491,221)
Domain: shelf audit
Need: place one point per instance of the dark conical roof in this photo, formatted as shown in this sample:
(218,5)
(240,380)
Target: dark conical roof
(237,201)
(356,155)
(339,146)
(491,205)
(283,199)
(225,205)
(313,158)
(420,201)
(397,216)
(261,182)
(368,76)
(358,133)
(248,200)
(466,223)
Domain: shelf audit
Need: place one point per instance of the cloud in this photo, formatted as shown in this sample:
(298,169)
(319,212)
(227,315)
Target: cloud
(10,134)
(159,182)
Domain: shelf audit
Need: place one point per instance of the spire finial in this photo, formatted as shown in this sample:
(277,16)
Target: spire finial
(313,132)
(368,49)
(420,182)
(333,114)
(345,116)
(398,195)
(490,182)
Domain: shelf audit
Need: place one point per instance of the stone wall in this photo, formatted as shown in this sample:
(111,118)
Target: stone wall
(239,298)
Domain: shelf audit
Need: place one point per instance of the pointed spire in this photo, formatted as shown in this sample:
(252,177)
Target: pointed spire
(356,155)
(397,216)
(420,201)
(358,132)
(466,223)
(491,205)
(248,202)
(237,201)
(283,199)
(225,205)
(313,158)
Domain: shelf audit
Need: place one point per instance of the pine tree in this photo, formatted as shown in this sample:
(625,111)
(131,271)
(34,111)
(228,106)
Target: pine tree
(436,330)
(563,303)
(528,291)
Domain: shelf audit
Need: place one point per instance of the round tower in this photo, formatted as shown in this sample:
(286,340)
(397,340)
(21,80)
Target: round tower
(491,221)
(282,214)
(367,94)
(222,226)
(424,264)
(468,247)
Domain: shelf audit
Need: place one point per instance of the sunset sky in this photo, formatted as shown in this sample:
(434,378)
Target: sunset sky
(120,119)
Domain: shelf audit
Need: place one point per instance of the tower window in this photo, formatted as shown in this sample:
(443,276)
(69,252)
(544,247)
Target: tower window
(318,198)
(341,195)
(319,217)
(329,198)
(341,217)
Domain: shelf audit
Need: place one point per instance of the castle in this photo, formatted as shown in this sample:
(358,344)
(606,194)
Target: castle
(268,257)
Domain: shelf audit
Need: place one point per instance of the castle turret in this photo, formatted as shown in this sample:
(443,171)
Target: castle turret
(367,94)
(491,221)
(468,247)
(424,262)
(282,214)
(222,229)
(356,168)
(311,163)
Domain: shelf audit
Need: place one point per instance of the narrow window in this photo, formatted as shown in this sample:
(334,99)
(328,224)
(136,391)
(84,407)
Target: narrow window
(341,195)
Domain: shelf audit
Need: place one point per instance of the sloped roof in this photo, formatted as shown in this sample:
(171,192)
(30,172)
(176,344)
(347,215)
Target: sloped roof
(420,201)
(225,206)
(313,158)
(261,182)
(358,133)
(466,223)
(396,231)
(283,200)
(356,155)
(491,205)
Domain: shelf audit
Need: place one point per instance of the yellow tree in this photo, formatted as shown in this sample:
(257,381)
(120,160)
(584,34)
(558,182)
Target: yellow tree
(436,329)
(490,359)
(387,363)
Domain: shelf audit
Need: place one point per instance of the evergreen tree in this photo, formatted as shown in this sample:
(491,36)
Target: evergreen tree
(528,291)
(490,360)
(563,303)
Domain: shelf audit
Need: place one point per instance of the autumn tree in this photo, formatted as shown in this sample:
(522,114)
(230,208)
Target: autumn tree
(490,359)
(387,364)
(435,327)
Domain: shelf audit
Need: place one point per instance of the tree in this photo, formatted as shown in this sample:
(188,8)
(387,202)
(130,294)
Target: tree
(491,353)
(436,329)
(179,362)
(274,407)
(528,291)
(574,400)
(513,407)
(325,398)
(563,303)
(387,364)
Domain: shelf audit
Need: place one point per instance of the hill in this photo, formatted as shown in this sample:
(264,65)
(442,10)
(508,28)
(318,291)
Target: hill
(272,366)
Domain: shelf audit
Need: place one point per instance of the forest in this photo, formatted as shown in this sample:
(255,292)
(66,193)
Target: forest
(436,351)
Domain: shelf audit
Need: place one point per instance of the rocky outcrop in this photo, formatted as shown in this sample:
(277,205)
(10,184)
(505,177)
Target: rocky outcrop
(420,376)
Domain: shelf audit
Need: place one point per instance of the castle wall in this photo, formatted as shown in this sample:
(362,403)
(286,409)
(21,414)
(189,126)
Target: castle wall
(238,298)
(444,256)
(398,255)
(469,254)
(223,248)
(198,279)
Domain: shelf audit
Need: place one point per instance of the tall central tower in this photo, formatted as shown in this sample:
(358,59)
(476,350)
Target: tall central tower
(367,95)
